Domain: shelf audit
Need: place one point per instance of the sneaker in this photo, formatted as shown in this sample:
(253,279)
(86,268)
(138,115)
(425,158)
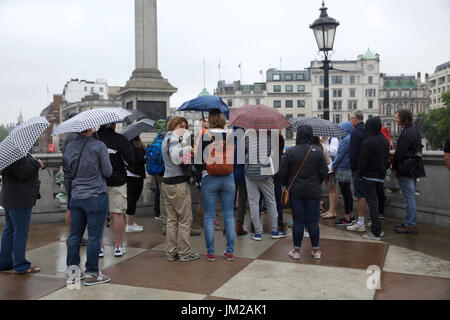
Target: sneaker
(278,234)
(138,226)
(240,229)
(92,280)
(316,255)
(305,234)
(195,232)
(256,236)
(406,230)
(294,254)
(119,251)
(356,227)
(173,258)
(228,256)
(381,216)
(191,257)
(344,222)
(158,217)
(84,242)
(210,257)
(134,228)
(102,253)
(371,236)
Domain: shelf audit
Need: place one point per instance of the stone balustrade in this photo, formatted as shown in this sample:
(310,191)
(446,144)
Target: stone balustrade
(433,200)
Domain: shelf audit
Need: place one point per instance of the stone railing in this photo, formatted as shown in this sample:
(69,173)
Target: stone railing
(433,201)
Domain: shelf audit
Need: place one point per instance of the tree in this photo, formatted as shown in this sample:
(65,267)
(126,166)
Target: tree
(437,124)
(3,132)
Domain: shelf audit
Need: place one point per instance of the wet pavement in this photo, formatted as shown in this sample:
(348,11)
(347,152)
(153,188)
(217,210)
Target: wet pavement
(411,267)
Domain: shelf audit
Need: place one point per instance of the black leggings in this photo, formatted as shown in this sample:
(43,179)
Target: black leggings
(347,194)
(134,190)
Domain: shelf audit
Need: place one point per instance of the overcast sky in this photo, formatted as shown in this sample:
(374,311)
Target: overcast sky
(48,42)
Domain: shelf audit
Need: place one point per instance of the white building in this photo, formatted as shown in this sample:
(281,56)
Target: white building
(75,90)
(438,83)
(236,95)
(355,89)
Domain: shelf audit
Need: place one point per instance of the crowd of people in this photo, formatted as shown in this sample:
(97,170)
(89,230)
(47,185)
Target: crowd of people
(104,176)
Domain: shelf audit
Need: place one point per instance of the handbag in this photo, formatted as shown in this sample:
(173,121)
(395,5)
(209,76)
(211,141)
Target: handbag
(285,197)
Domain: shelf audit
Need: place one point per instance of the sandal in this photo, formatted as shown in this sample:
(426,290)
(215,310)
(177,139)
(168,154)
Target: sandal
(33,270)
(329,215)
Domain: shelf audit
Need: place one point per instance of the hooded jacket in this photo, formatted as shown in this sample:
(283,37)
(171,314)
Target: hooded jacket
(342,160)
(357,137)
(408,142)
(307,184)
(374,153)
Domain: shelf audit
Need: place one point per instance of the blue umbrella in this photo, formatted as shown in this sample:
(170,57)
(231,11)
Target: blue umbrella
(206,103)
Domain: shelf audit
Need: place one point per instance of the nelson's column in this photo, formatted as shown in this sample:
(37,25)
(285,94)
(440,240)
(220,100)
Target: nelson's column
(147,90)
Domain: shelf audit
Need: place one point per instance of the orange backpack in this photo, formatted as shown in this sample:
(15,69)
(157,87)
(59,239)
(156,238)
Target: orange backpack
(225,153)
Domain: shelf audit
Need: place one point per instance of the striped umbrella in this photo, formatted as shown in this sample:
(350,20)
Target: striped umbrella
(320,127)
(91,119)
(19,142)
(258,117)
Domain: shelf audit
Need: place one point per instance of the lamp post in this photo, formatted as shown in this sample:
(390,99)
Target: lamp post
(324,29)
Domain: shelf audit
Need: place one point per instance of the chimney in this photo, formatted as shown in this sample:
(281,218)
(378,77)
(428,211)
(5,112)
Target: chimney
(426,77)
(419,77)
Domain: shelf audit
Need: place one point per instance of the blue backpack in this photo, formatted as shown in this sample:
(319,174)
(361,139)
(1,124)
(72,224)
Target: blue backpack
(153,154)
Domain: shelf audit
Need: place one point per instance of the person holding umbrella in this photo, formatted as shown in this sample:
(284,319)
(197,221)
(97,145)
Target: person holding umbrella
(19,193)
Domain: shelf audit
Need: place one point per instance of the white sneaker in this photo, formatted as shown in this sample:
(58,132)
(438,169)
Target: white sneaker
(134,228)
(102,253)
(119,251)
(357,227)
(305,234)
(371,236)
(316,255)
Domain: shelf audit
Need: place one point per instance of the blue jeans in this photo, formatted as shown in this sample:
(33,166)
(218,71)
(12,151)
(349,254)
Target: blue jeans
(14,240)
(91,212)
(305,213)
(408,188)
(224,188)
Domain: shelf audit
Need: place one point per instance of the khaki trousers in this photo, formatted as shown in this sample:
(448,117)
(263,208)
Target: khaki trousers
(177,200)
(162,205)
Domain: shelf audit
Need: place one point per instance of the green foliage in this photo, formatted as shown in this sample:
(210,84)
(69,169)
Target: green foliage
(437,124)
(3,132)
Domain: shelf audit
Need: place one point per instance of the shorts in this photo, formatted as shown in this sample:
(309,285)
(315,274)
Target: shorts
(117,199)
(359,189)
(344,176)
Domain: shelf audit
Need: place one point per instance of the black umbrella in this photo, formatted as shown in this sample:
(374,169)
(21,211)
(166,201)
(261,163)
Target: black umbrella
(132,131)
(136,115)
(320,127)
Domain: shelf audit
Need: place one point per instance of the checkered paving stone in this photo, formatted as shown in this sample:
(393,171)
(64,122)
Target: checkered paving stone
(410,268)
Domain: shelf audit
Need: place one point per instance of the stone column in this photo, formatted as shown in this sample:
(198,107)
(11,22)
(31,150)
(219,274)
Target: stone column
(146,34)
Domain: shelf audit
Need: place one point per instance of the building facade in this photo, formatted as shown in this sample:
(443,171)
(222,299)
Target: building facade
(353,85)
(438,83)
(47,143)
(237,95)
(75,90)
(401,92)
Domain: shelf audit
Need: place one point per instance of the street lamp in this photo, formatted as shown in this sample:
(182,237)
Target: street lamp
(325,30)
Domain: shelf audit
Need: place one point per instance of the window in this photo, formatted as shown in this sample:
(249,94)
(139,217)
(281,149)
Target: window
(337,93)
(258,101)
(388,126)
(300,76)
(101,89)
(85,88)
(352,79)
(336,79)
(301,115)
(230,102)
(352,104)
(352,93)
(300,103)
(277,88)
(321,79)
(276,77)
(388,110)
(370,104)
(370,79)
(246,100)
(337,118)
(300,88)
(289,88)
(388,94)
(337,105)
(321,93)
(288,76)
(92,89)
(289,104)
(371,92)
(370,116)
(277,104)
(411,108)
(319,105)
